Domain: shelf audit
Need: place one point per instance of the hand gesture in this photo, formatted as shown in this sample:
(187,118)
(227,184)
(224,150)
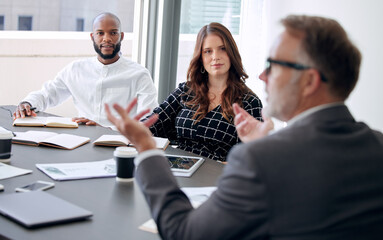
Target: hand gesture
(249,128)
(23,110)
(137,132)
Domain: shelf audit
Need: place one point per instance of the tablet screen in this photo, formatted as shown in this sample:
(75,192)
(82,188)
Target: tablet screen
(181,162)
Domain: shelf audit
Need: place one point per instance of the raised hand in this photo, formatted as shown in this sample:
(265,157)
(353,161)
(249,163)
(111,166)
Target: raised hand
(249,128)
(137,132)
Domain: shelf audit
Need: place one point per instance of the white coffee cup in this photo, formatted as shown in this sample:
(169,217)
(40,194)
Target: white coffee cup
(124,157)
(5,145)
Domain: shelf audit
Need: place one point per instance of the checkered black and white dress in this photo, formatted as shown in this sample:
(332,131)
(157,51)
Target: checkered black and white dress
(211,137)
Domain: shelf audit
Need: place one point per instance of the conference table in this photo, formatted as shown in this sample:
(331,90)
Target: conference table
(118,208)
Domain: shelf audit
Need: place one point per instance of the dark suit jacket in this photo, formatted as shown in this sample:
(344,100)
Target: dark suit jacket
(320,178)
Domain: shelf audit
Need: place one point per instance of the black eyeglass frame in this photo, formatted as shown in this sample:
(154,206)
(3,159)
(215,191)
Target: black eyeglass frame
(296,66)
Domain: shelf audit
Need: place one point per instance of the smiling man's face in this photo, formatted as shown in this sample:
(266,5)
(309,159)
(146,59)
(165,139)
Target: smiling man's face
(106,37)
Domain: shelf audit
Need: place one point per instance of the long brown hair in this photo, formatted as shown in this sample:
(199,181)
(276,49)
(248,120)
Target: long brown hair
(198,81)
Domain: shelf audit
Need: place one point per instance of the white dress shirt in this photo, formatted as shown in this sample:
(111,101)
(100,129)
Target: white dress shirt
(92,84)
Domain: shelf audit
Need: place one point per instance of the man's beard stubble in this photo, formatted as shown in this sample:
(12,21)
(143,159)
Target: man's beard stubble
(117,48)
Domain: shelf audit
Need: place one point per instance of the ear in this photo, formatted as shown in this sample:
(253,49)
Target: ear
(122,36)
(312,82)
(91,36)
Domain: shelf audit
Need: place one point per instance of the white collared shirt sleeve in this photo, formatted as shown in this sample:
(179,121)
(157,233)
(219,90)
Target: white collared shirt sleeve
(52,93)
(92,85)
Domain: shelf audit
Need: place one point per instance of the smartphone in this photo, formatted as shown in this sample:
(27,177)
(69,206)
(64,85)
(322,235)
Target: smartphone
(36,186)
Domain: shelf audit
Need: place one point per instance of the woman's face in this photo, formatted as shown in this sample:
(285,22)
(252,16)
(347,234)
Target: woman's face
(214,57)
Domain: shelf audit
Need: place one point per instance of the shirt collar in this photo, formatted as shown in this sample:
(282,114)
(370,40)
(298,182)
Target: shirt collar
(310,111)
(100,64)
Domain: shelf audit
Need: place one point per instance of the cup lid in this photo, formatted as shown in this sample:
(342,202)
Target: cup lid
(5,134)
(125,151)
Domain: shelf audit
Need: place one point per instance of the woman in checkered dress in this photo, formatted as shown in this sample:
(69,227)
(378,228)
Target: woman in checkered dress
(198,115)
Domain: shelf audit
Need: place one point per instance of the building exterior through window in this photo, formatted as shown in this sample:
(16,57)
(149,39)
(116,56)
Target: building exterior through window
(80,24)
(25,23)
(1,22)
(62,15)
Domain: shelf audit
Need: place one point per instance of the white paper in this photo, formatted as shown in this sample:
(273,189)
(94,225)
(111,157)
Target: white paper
(60,120)
(82,170)
(33,136)
(196,195)
(112,139)
(34,121)
(8,171)
(161,143)
(149,226)
(67,141)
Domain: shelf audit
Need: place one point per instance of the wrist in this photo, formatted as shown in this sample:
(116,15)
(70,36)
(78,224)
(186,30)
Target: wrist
(146,145)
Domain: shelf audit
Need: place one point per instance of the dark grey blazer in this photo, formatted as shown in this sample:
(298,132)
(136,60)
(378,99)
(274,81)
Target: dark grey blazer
(320,178)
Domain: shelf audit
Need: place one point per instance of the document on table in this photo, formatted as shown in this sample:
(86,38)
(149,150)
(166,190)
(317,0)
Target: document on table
(81,170)
(8,171)
(196,195)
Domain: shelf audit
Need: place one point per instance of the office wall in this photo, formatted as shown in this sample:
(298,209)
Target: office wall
(362,20)
(28,59)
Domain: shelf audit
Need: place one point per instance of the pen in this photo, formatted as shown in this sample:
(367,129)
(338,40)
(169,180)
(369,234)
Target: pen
(32,109)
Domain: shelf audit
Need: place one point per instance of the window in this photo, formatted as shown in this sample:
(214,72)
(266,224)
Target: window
(64,15)
(197,13)
(54,41)
(80,24)
(1,22)
(194,15)
(25,23)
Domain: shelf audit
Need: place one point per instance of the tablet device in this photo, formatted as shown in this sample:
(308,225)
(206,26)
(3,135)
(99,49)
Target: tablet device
(37,208)
(184,166)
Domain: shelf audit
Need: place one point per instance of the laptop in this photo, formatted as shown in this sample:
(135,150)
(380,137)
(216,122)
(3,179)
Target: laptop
(37,208)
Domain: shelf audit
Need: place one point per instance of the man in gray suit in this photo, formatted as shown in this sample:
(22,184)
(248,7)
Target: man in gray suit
(321,177)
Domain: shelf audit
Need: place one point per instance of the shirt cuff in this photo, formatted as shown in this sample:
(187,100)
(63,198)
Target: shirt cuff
(146,154)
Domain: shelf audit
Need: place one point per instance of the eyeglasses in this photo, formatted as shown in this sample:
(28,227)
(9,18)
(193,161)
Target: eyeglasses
(295,66)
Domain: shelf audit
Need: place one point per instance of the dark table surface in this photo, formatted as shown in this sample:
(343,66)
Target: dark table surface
(119,209)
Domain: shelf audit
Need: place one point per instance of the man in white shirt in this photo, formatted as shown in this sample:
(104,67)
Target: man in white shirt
(92,82)
(321,177)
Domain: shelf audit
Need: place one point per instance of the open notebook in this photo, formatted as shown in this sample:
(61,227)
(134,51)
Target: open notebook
(45,122)
(119,140)
(38,208)
(52,139)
